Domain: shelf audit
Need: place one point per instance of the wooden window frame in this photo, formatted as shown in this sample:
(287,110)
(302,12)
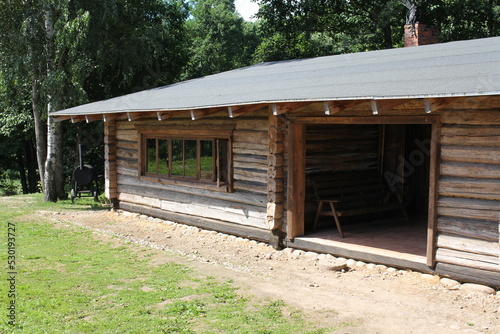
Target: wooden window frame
(216,184)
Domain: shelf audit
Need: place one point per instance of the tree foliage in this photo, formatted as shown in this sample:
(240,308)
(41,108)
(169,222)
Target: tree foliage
(220,39)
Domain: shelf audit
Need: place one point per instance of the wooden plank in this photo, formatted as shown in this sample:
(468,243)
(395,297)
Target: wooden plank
(474,246)
(131,145)
(201,113)
(166,190)
(202,222)
(379,106)
(296,178)
(242,110)
(282,108)
(130,163)
(467,274)
(253,160)
(246,136)
(487,136)
(165,115)
(250,218)
(483,155)
(425,119)
(255,187)
(469,188)
(127,171)
(433,195)
(471,228)
(465,259)
(333,107)
(469,208)
(127,153)
(470,170)
(127,135)
(471,117)
(195,200)
(259,124)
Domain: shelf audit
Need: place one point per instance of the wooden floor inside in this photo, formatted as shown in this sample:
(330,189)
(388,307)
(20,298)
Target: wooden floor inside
(391,243)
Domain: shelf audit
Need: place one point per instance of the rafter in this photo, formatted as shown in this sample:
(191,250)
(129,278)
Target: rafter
(333,107)
(379,106)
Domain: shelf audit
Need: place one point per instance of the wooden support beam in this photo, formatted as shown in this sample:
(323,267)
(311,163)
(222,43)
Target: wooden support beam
(132,116)
(200,113)
(241,110)
(109,117)
(334,107)
(379,106)
(76,119)
(282,108)
(230,112)
(92,118)
(163,115)
(434,104)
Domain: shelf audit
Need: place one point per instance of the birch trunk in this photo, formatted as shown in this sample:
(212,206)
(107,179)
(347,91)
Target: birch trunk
(54,179)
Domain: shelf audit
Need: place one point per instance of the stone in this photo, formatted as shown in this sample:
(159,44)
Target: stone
(288,250)
(427,276)
(450,284)
(322,257)
(471,287)
(360,264)
(332,266)
(381,267)
(371,266)
(351,263)
(391,270)
(311,255)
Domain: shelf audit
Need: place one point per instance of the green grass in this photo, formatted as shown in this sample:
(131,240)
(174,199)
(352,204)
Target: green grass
(70,281)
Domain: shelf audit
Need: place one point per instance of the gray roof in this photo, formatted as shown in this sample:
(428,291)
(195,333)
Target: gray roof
(464,68)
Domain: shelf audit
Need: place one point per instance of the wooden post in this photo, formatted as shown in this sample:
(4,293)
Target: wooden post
(296,180)
(275,180)
(433,194)
(110,160)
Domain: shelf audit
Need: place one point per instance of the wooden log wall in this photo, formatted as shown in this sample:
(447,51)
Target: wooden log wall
(275,179)
(468,209)
(246,205)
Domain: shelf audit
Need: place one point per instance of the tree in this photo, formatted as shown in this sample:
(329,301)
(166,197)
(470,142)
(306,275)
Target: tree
(305,28)
(76,51)
(220,39)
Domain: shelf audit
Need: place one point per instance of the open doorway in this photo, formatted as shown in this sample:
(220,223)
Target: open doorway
(399,154)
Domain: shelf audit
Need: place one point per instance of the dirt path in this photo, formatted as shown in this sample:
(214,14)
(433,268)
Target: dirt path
(363,299)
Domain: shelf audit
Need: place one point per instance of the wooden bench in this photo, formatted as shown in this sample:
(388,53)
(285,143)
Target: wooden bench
(354,194)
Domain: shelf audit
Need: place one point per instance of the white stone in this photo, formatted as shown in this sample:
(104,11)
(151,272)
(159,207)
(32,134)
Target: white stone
(471,287)
(381,267)
(371,266)
(311,255)
(450,283)
(360,264)
(391,270)
(351,263)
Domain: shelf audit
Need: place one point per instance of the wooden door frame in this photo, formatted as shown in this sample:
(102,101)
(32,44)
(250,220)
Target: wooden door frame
(296,168)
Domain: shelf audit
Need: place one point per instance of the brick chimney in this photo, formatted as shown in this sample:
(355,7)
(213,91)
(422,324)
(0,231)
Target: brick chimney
(421,34)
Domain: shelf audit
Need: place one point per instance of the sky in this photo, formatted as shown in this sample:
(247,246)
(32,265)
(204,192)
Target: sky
(246,8)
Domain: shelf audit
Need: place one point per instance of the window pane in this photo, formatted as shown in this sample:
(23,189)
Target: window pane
(163,156)
(177,158)
(190,167)
(207,160)
(150,155)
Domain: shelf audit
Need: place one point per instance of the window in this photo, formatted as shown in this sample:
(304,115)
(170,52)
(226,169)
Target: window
(201,160)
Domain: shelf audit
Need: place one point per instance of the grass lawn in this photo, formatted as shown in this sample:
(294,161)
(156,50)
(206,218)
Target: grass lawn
(71,281)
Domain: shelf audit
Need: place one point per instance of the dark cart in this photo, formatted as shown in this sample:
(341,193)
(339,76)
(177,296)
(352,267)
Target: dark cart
(84,181)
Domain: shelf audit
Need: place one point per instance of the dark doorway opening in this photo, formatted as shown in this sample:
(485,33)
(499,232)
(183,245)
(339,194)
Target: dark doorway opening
(400,154)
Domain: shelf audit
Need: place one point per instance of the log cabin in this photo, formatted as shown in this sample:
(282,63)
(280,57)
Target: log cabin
(240,152)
